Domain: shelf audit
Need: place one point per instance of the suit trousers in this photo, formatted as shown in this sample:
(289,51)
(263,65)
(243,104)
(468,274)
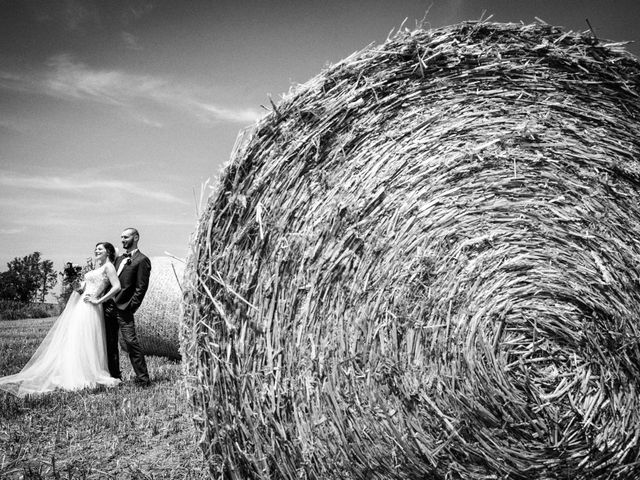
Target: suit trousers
(111,334)
(119,320)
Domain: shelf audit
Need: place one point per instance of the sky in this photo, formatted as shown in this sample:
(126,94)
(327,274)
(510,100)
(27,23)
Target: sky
(116,113)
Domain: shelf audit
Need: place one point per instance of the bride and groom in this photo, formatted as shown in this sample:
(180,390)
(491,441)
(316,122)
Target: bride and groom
(81,348)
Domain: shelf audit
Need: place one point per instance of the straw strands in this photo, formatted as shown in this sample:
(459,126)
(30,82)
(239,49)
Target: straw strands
(157,320)
(425,263)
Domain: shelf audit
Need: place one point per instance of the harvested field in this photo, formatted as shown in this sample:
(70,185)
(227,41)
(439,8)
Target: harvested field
(425,263)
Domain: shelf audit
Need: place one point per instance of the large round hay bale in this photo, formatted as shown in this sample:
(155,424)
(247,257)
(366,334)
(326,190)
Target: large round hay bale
(158,318)
(425,263)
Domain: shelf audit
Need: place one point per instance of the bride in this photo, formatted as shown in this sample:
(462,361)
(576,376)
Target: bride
(73,354)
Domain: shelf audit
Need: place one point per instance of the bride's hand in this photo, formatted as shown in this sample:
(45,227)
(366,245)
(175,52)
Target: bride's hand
(91,299)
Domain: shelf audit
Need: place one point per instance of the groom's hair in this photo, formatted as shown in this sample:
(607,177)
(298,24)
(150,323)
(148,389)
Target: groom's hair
(134,231)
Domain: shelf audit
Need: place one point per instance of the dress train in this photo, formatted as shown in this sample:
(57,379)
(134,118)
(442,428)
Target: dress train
(73,355)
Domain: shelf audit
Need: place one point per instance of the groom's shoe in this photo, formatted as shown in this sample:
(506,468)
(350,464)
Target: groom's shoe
(142,383)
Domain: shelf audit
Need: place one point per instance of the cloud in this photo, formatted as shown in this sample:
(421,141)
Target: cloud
(11,231)
(146,120)
(130,41)
(36,203)
(213,112)
(30,220)
(9,127)
(136,9)
(71,80)
(81,16)
(80,184)
(68,79)
(72,15)
(164,221)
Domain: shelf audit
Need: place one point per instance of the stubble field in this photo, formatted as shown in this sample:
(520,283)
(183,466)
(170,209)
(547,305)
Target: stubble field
(125,432)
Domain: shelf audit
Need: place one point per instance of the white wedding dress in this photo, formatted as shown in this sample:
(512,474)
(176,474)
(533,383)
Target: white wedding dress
(73,355)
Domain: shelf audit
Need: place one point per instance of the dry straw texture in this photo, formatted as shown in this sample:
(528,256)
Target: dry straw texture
(158,318)
(424,263)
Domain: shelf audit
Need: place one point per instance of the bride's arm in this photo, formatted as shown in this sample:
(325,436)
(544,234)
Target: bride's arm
(79,287)
(113,280)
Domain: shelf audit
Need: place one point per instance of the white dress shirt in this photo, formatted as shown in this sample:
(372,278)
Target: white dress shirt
(126,261)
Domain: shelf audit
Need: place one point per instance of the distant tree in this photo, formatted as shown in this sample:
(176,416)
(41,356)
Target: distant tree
(8,289)
(25,277)
(48,279)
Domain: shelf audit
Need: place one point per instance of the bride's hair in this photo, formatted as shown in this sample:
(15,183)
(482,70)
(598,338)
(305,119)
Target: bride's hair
(111,250)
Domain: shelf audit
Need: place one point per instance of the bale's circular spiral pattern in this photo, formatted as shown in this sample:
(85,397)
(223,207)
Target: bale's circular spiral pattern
(425,263)
(158,318)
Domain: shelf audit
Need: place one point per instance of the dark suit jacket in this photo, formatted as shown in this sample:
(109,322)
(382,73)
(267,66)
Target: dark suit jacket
(134,281)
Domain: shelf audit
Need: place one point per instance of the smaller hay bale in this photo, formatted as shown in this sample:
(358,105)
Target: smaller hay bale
(157,319)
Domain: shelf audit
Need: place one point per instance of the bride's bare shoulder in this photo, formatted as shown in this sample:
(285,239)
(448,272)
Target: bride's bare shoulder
(109,267)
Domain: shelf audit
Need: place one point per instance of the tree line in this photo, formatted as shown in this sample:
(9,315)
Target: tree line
(31,278)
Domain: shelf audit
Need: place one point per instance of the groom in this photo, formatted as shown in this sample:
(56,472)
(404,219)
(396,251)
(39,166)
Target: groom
(133,270)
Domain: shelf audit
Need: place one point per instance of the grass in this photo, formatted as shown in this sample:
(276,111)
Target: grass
(124,432)
(10,310)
